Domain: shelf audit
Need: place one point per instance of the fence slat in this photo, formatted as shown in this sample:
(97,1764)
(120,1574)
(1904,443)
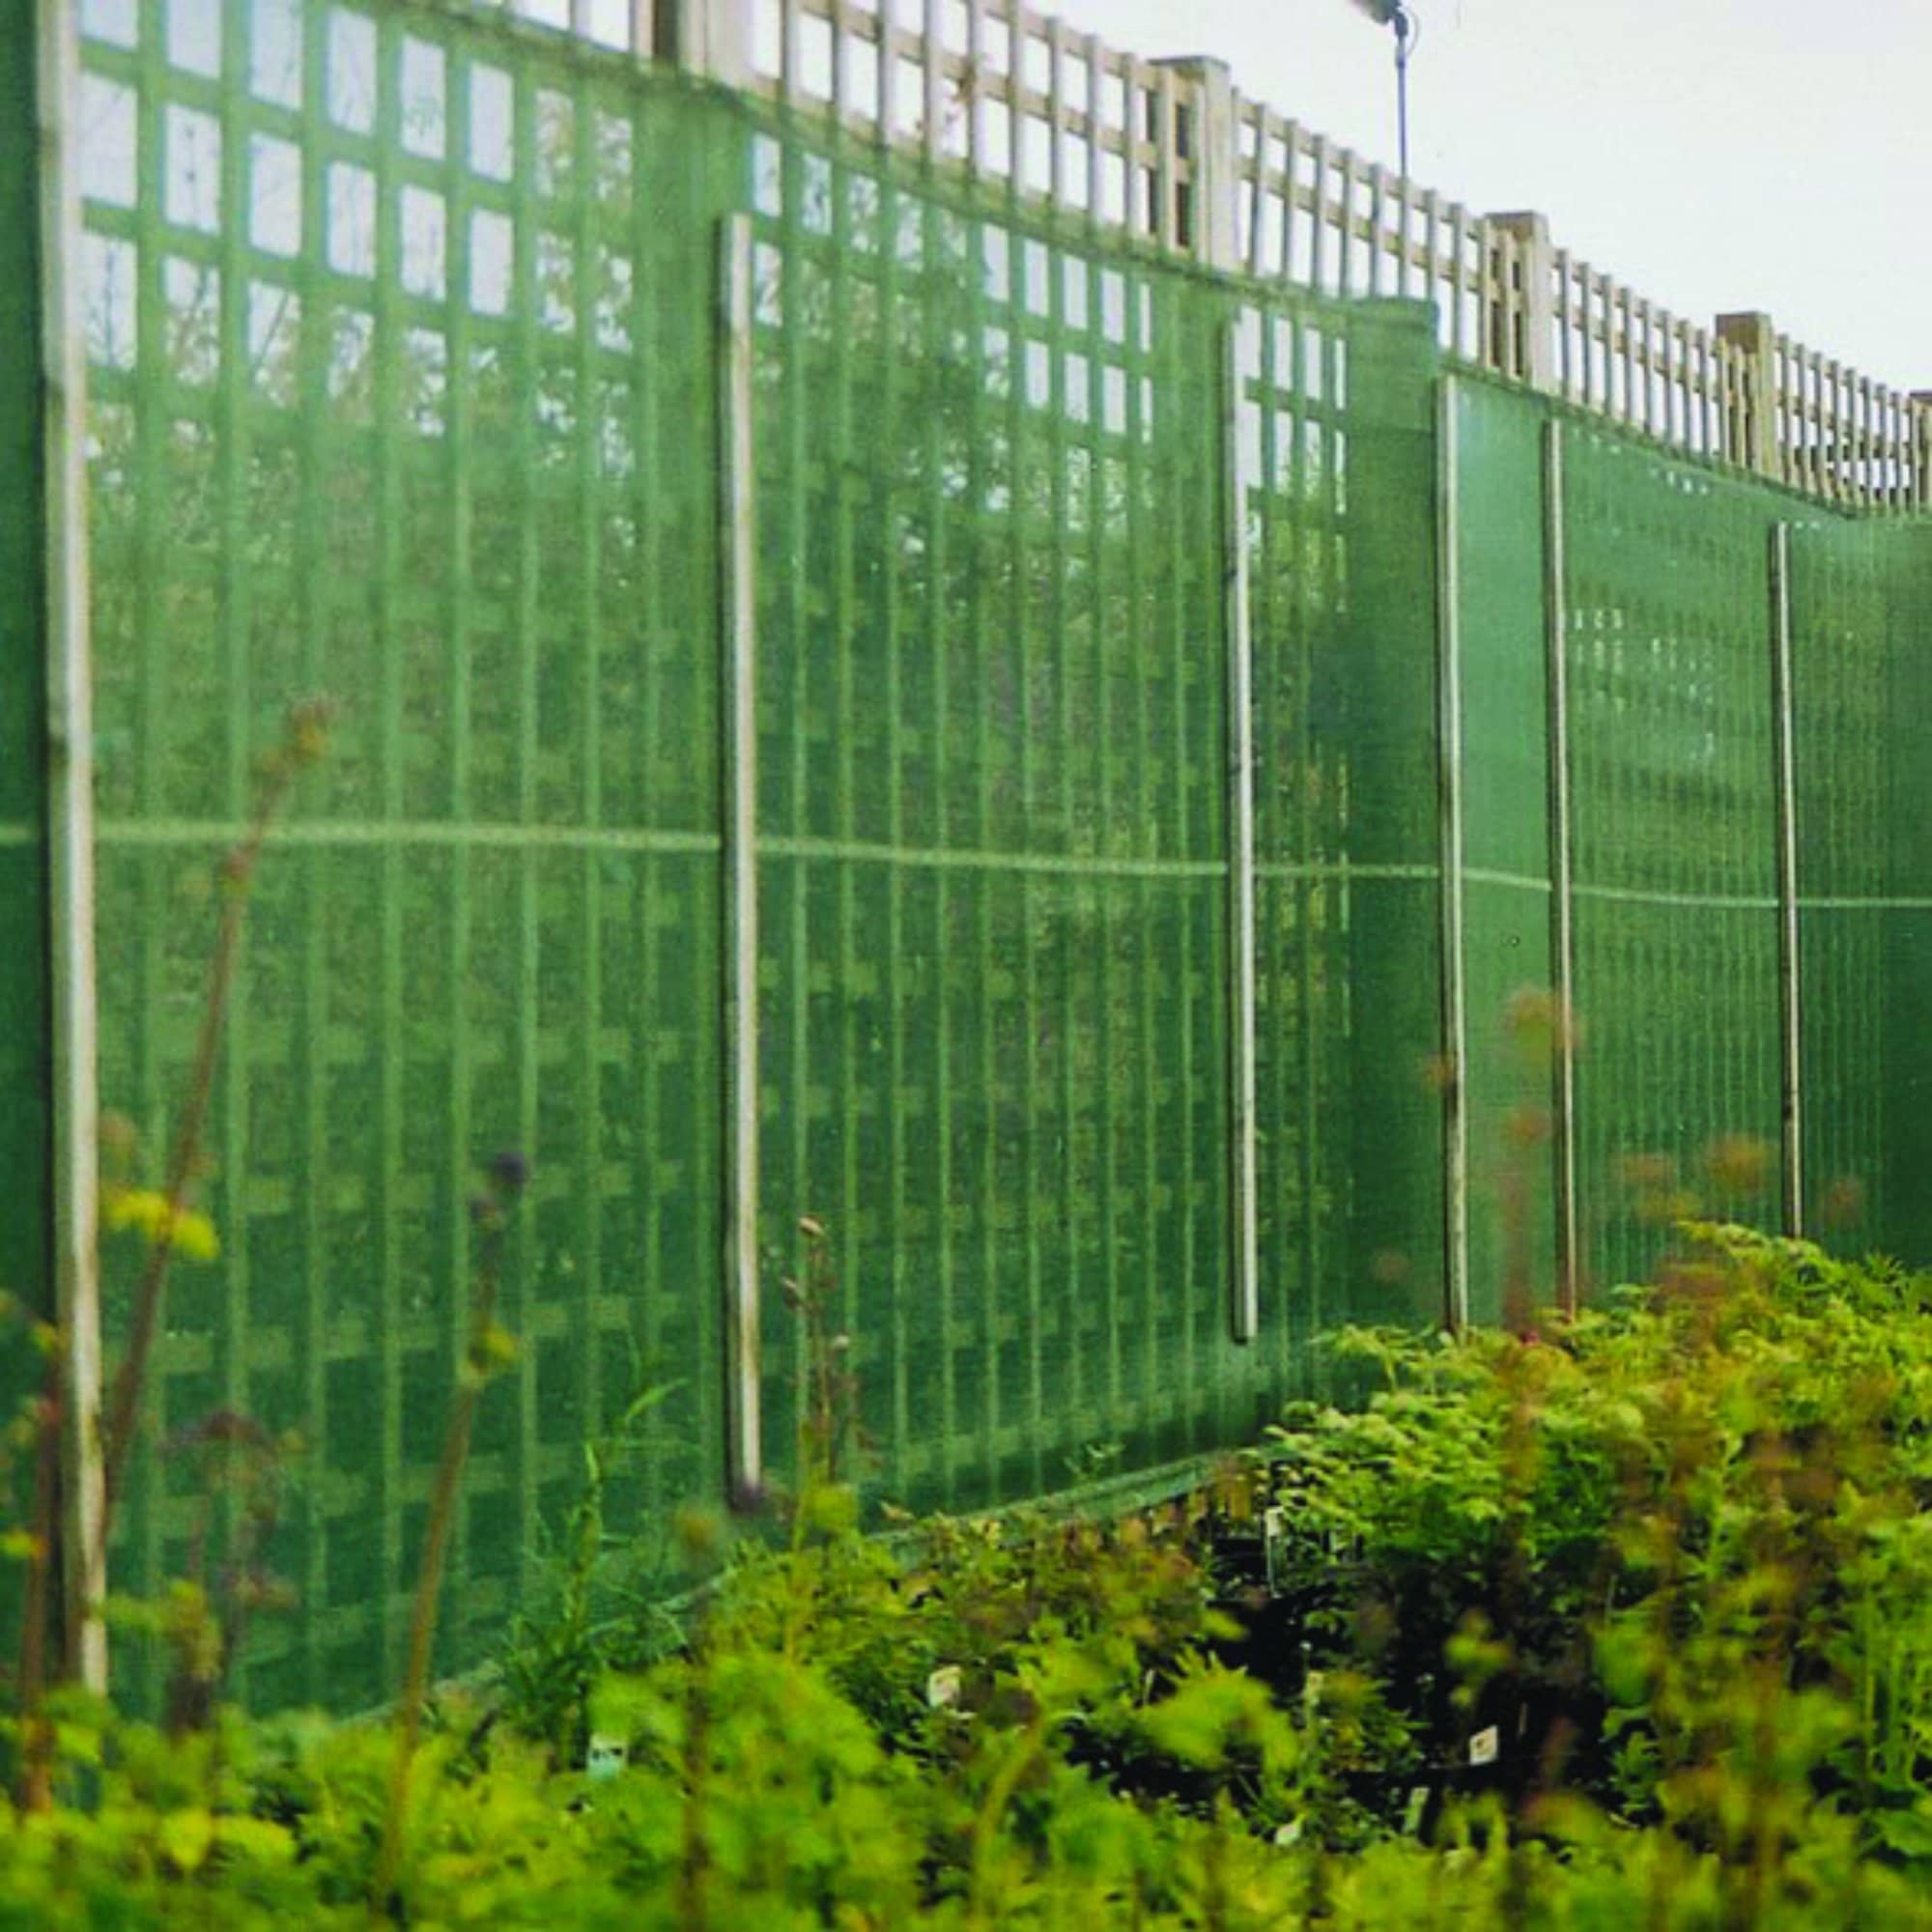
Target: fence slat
(738,554)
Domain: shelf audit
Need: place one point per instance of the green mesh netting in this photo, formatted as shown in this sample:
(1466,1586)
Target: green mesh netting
(994,836)
(26,1021)
(404,351)
(1511,1025)
(402,367)
(1674,821)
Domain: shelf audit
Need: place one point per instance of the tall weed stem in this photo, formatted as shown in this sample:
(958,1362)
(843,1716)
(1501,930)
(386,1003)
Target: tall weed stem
(303,744)
(490,1350)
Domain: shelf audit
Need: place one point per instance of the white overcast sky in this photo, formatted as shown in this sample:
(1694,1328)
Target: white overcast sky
(1715,155)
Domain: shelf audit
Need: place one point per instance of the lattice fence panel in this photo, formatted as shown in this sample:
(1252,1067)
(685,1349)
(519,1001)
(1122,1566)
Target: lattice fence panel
(401,397)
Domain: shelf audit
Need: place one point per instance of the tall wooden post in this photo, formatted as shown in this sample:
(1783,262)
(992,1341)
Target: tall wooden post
(1918,494)
(46,875)
(712,38)
(1521,296)
(1750,429)
(1209,218)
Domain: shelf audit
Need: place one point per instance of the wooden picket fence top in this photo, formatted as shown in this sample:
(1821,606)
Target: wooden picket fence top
(1170,156)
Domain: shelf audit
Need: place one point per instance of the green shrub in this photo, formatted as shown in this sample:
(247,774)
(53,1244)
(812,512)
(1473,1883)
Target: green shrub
(1675,1553)
(1672,1554)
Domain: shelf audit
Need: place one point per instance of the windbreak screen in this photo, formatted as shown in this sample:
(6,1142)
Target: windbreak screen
(1905,1227)
(996,829)
(409,368)
(28,1058)
(1674,849)
(1512,1024)
(400,346)
(1336,454)
(26,1041)
(1844,636)
(992,834)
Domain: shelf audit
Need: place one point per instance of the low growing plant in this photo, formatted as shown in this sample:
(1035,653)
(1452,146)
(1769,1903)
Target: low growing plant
(1670,1554)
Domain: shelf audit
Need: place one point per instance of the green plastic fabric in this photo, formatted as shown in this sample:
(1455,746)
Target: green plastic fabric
(1675,821)
(1511,1028)
(1674,833)
(26,1037)
(1340,434)
(1854,798)
(402,345)
(405,355)
(994,839)
(26,1021)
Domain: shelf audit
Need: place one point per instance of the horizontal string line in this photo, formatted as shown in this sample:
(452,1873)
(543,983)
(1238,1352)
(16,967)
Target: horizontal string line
(405,832)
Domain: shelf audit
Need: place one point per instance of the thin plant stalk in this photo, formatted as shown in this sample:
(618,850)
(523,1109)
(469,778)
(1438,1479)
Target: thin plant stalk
(486,1353)
(1026,1751)
(303,743)
(826,1391)
(205,1655)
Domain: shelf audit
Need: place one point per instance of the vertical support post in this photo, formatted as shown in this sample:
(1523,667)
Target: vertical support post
(1208,221)
(42,242)
(1523,299)
(1562,918)
(1750,435)
(1790,1008)
(1246,1312)
(1917,495)
(1449,804)
(738,563)
(69,817)
(712,38)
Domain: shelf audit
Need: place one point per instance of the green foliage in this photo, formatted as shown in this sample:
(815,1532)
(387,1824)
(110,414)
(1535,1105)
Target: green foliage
(1675,1553)
(557,1649)
(1671,1554)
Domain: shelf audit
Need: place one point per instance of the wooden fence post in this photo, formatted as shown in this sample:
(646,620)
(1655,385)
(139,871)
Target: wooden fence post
(712,38)
(1209,221)
(1751,426)
(1520,270)
(1919,491)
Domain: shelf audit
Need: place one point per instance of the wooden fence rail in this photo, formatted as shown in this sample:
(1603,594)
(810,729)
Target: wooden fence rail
(1170,156)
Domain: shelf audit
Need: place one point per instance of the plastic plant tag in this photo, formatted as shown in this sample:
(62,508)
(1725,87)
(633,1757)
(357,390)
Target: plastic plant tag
(1483,1745)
